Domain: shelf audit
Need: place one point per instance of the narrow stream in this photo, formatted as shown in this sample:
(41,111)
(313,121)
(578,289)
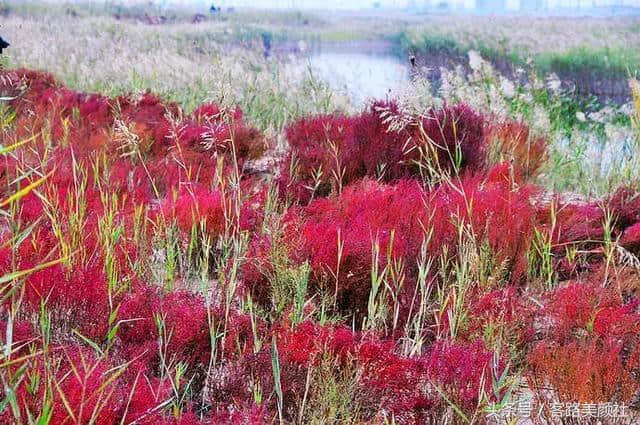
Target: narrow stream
(360,76)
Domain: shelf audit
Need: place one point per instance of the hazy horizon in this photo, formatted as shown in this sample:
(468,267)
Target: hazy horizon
(459,5)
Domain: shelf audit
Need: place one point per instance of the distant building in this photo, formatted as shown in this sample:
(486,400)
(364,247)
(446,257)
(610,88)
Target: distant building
(490,5)
(526,6)
(450,5)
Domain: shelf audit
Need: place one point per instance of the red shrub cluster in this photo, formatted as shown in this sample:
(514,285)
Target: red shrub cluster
(591,371)
(81,393)
(85,179)
(175,149)
(388,382)
(145,395)
(394,383)
(78,298)
(22,336)
(494,210)
(580,225)
(109,159)
(332,151)
(497,210)
(253,415)
(463,371)
(184,320)
(196,205)
(500,313)
(258,268)
(589,309)
(348,226)
(512,141)
(91,390)
(121,170)
(218,211)
(590,349)
(93,387)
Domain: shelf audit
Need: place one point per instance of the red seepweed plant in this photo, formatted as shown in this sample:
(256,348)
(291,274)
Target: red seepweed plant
(148,274)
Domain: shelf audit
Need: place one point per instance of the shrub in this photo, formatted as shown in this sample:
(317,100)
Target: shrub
(512,141)
(589,346)
(463,372)
(493,211)
(588,371)
(86,389)
(77,299)
(178,148)
(185,322)
(385,382)
(196,205)
(329,152)
(577,229)
(348,226)
(144,396)
(219,211)
(321,147)
(498,316)
(85,393)
(589,309)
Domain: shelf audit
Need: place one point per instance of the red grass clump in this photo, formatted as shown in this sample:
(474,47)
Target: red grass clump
(463,371)
(83,392)
(498,313)
(354,221)
(580,226)
(494,210)
(217,211)
(379,190)
(145,395)
(512,141)
(176,148)
(579,309)
(399,217)
(388,382)
(591,371)
(589,351)
(77,299)
(329,152)
(184,322)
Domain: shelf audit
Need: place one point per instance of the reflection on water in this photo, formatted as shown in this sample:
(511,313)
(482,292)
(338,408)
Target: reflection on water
(358,75)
